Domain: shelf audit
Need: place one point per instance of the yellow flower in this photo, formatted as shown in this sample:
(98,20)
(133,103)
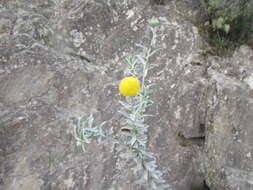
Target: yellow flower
(129,86)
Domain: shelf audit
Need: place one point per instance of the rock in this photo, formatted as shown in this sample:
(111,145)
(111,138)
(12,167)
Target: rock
(228,162)
(238,66)
(5,25)
(66,63)
(60,60)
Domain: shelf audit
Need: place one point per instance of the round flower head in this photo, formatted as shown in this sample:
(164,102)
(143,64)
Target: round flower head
(129,86)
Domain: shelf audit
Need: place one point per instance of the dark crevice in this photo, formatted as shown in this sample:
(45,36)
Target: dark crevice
(202,128)
(157,2)
(196,63)
(202,186)
(206,186)
(183,141)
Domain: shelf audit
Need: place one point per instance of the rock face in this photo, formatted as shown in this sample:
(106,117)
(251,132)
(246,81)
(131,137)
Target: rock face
(229,141)
(63,59)
(228,161)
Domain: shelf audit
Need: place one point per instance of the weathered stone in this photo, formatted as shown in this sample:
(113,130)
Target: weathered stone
(228,162)
(5,25)
(45,83)
(60,60)
(238,66)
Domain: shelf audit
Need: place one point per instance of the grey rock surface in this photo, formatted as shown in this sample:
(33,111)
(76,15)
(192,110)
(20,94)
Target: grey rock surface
(229,162)
(60,60)
(44,84)
(228,149)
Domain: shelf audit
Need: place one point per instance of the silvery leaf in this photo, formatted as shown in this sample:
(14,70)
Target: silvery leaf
(90,121)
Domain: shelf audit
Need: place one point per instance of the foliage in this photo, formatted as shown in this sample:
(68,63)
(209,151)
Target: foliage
(133,135)
(230,22)
(85,131)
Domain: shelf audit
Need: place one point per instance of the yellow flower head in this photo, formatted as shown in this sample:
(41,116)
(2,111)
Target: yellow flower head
(129,86)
